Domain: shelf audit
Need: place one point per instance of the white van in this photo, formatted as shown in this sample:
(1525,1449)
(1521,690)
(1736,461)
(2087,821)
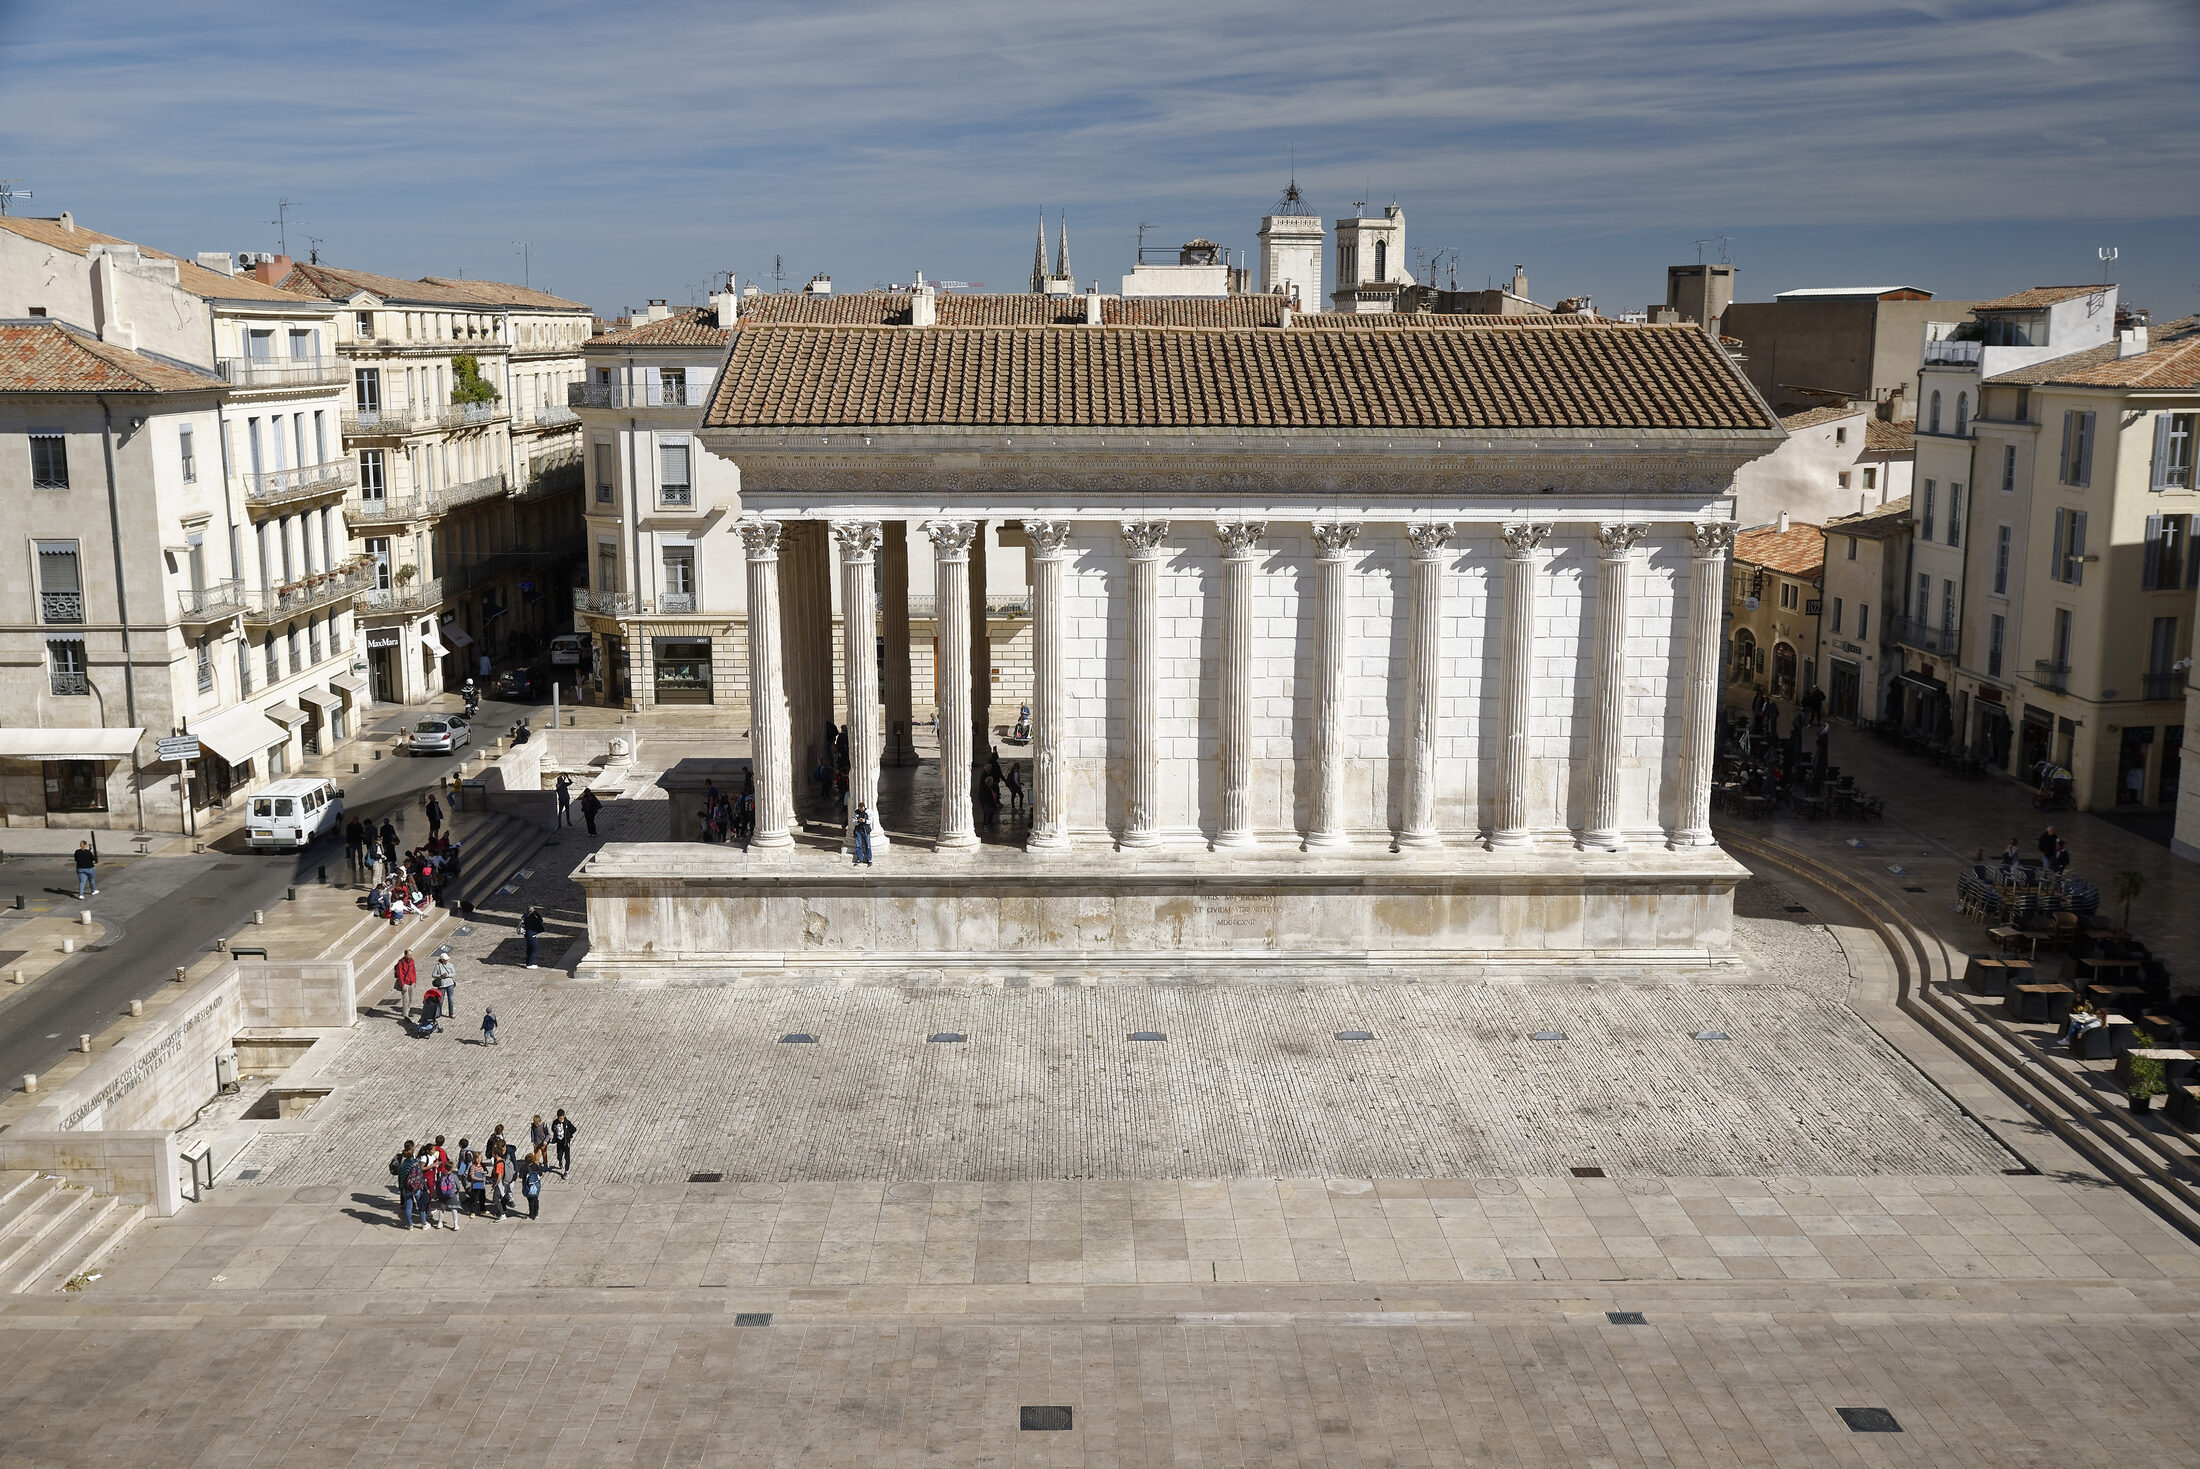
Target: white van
(565,651)
(293,813)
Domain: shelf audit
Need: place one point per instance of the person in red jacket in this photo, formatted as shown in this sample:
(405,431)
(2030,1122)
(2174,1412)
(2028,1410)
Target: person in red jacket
(408,975)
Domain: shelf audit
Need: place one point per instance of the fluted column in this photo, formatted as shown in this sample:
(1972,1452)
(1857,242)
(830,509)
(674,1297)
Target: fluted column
(1424,678)
(1607,737)
(1700,734)
(1049,717)
(769,756)
(1142,675)
(1516,695)
(1325,827)
(981,655)
(1240,551)
(859,544)
(901,745)
(951,553)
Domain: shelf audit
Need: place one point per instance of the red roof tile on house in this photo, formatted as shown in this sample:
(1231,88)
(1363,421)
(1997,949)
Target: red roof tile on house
(2037,298)
(51,358)
(1798,551)
(696,326)
(190,275)
(2171,363)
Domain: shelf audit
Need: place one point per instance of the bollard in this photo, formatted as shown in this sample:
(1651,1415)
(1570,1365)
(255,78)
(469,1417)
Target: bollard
(220,945)
(19,901)
(30,1081)
(354,767)
(84,1044)
(377,754)
(137,1007)
(180,972)
(68,946)
(85,918)
(290,895)
(15,976)
(259,915)
(324,875)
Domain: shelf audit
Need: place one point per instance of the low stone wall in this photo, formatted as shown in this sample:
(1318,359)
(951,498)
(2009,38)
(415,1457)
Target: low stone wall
(705,912)
(114,1122)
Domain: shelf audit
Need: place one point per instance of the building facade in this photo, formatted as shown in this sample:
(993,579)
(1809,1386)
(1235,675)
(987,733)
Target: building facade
(1839,460)
(1773,609)
(1866,556)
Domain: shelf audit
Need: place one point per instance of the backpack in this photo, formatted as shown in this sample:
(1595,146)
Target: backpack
(416,1178)
(533,1186)
(446,1184)
(398,1164)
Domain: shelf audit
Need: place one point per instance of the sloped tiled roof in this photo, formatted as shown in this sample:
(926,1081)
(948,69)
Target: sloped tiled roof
(46,357)
(695,326)
(1876,524)
(1889,436)
(2171,363)
(1509,376)
(2037,298)
(190,275)
(1812,417)
(340,284)
(891,308)
(504,293)
(1800,550)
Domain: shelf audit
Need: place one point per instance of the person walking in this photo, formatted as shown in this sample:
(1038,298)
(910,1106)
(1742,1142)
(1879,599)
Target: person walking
(538,1139)
(530,1186)
(1015,790)
(416,1189)
(565,799)
(561,1137)
(389,843)
(434,809)
(87,867)
(400,1166)
(591,803)
(530,928)
(355,837)
(488,1027)
(445,978)
(863,835)
(2046,844)
(469,1178)
(408,975)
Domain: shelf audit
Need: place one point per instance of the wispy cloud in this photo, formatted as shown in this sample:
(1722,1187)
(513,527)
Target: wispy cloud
(641,148)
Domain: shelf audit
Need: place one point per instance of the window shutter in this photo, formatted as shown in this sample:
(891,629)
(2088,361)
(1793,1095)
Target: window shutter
(2085,449)
(2069,416)
(2159,479)
(2077,545)
(2055,562)
(2152,573)
(653,384)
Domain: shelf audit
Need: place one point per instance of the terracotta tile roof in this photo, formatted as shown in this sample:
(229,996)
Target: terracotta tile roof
(891,308)
(2037,298)
(1354,321)
(2171,363)
(1879,523)
(190,275)
(1800,550)
(1510,376)
(2054,368)
(340,284)
(1812,417)
(696,326)
(46,357)
(1889,436)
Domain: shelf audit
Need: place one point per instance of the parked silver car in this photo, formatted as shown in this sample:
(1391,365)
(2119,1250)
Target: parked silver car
(438,734)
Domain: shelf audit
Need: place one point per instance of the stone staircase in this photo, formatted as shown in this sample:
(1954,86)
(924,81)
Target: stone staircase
(495,847)
(52,1231)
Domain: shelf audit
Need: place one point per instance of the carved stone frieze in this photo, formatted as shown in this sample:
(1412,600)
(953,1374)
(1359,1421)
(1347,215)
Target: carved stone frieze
(1048,537)
(1332,538)
(1241,537)
(951,538)
(1429,538)
(1524,538)
(762,539)
(859,539)
(1143,538)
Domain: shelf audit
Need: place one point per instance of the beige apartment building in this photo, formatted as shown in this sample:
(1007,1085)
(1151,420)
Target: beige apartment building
(238,472)
(1861,581)
(1773,600)
(466,512)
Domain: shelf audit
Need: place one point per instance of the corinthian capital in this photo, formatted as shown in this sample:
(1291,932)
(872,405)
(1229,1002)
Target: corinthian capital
(859,539)
(1523,538)
(1619,539)
(1335,537)
(1240,538)
(951,538)
(1429,538)
(1143,538)
(1049,538)
(762,539)
(1713,538)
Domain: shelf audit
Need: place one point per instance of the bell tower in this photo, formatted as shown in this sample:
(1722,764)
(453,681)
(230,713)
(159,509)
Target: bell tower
(1291,240)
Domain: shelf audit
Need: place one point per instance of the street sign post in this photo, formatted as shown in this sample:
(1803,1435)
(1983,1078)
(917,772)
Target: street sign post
(178,747)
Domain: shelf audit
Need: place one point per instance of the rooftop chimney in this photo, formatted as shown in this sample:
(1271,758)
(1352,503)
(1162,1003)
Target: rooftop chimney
(1092,305)
(924,307)
(1520,281)
(2132,340)
(221,262)
(271,269)
(1783,522)
(657,311)
(68,221)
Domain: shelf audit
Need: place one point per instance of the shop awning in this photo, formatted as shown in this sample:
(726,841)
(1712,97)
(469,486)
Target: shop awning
(289,714)
(1920,681)
(321,698)
(351,685)
(432,643)
(238,735)
(68,744)
(457,636)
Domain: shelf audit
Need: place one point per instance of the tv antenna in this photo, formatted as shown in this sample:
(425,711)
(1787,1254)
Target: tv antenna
(1142,228)
(779,274)
(9,191)
(1720,240)
(2107,255)
(313,249)
(526,251)
(281,221)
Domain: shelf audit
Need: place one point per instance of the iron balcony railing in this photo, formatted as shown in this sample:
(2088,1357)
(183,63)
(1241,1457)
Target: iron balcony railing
(282,372)
(611,604)
(210,604)
(924,605)
(274,604)
(554,417)
(2049,674)
(66,683)
(61,606)
(279,486)
(397,509)
(1927,637)
(676,602)
(406,418)
(471,415)
(488,487)
(2165,685)
(676,497)
(1952,354)
(412,596)
(640,395)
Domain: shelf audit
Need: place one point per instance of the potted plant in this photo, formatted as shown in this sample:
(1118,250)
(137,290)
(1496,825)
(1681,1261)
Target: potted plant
(2146,1081)
(406,573)
(2128,886)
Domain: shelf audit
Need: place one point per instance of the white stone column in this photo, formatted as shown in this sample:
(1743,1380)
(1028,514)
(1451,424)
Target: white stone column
(1607,737)
(1710,544)
(1325,827)
(981,654)
(1049,686)
(1141,674)
(1424,679)
(769,755)
(1516,694)
(1240,553)
(859,543)
(901,745)
(951,581)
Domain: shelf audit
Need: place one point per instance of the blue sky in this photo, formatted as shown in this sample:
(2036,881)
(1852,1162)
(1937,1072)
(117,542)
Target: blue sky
(1968,146)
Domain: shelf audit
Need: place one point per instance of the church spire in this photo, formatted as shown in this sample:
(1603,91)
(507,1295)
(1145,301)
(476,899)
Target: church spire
(1061,257)
(1039,259)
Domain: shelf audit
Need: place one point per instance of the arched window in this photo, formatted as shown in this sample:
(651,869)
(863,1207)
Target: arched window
(1932,421)
(1382,260)
(1963,414)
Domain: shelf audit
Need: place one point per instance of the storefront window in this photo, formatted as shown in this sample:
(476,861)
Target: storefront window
(76,785)
(683,671)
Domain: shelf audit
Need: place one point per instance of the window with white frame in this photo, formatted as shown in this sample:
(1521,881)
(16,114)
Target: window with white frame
(49,462)
(2077,448)
(204,657)
(373,475)
(679,592)
(673,486)
(2002,536)
(2163,567)
(67,670)
(2173,435)
(675,384)
(607,471)
(1955,513)
(2066,557)
(185,451)
(362,325)
(60,582)
(1995,626)
(2008,468)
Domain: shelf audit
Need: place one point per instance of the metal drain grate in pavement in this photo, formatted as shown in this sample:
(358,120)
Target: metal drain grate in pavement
(1355,1035)
(1869,1420)
(1548,1035)
(1142,1035)
(945,1037)
(798,1038)
(1795,908)
(752,1318)
(1625,1318)
(1040,1420)
(246,1174)
(1591,1172)
(1913,890)
(706,1178)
